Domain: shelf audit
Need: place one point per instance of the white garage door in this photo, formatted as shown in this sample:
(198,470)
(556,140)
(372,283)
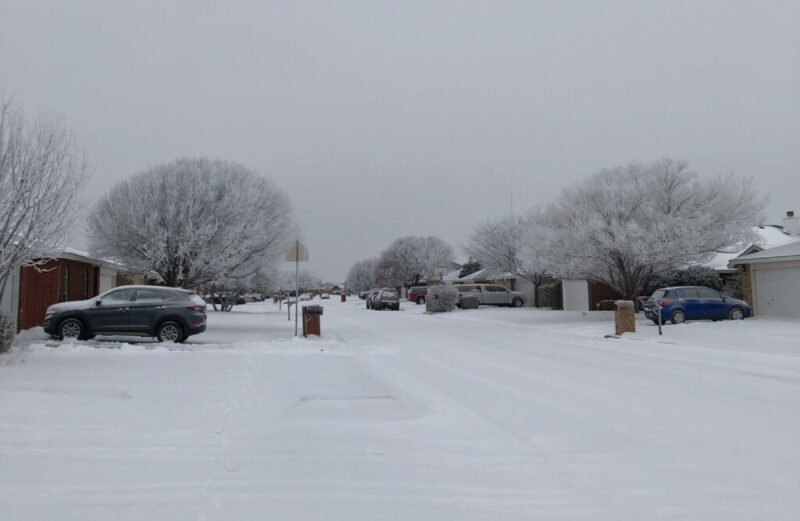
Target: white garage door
(106,282)
(778,292)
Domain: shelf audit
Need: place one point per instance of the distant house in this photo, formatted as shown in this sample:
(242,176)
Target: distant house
(769,236)
(495,276)
(70,275)
(771,276)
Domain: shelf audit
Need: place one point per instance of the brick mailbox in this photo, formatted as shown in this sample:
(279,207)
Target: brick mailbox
(311,320)
(344,297)
(624,317)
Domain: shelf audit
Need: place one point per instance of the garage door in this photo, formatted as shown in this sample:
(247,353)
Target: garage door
(778,292)
(106,282)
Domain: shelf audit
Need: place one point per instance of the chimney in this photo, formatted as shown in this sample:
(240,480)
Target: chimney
(791,224)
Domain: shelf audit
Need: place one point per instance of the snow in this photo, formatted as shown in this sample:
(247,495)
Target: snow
(488,274)
(490,414)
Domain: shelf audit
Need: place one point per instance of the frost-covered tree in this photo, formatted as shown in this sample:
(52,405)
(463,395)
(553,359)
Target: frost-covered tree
(497,244)
(625,225)
(194,221)
(361,276)
(409,259)
(41,173)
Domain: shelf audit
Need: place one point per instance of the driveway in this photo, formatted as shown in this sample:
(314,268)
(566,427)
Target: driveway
(491,414)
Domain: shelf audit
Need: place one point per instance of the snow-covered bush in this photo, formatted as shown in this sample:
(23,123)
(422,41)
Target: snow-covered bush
(441,298)
(732,286)
(6,332)
(550,296)
(693,276)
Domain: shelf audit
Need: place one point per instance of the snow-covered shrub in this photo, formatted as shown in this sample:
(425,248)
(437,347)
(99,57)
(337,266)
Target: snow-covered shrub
(7,330)
(441,298)
(732,286)
(550,296)
(693,276)
(470,302)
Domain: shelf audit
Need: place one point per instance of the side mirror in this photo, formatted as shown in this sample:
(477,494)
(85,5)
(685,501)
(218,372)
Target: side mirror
(97,302)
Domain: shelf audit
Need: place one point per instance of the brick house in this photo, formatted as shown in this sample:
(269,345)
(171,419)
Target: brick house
(70,275)
(771,273)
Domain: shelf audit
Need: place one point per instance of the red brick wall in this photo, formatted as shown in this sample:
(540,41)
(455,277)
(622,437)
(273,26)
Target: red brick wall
(40,289)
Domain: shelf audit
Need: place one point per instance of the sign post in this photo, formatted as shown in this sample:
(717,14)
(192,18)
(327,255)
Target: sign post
(440,272)
(297,253)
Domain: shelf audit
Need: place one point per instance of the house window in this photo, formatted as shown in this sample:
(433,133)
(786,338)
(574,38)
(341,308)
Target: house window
(85,283)
(65,297)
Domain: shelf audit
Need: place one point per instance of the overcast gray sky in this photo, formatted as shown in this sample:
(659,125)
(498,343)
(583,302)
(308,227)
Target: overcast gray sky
(384,119)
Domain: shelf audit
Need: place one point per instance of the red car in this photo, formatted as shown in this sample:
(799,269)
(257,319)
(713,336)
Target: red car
(417,294)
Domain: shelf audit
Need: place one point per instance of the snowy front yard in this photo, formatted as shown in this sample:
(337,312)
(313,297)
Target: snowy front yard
(491,414)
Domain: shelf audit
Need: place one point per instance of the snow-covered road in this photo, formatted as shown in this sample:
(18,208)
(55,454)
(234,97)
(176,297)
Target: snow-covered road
(488,414)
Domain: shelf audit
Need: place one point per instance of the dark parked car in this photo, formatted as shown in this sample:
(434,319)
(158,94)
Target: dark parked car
(386,298)
(417,294)
(169,314)
(682,303)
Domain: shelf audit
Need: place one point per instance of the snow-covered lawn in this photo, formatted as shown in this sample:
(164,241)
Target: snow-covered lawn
(488,414)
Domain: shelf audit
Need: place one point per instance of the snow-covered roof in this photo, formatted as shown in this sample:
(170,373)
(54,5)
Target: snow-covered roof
(488,274)
(786,252)
(769,235)
(82,256)
(452,276)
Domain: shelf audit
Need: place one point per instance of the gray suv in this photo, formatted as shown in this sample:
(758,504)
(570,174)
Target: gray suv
(492,294)
(169,314)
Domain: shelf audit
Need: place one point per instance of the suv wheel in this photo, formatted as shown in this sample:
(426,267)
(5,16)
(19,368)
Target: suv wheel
(170,331)
(736,314)
(517,302)
(72,328)
(420,300)
(677,317)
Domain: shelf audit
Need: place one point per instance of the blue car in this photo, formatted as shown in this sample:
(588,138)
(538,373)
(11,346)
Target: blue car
(682,303)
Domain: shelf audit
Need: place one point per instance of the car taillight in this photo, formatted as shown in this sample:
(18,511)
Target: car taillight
(664,303)
(196,308)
